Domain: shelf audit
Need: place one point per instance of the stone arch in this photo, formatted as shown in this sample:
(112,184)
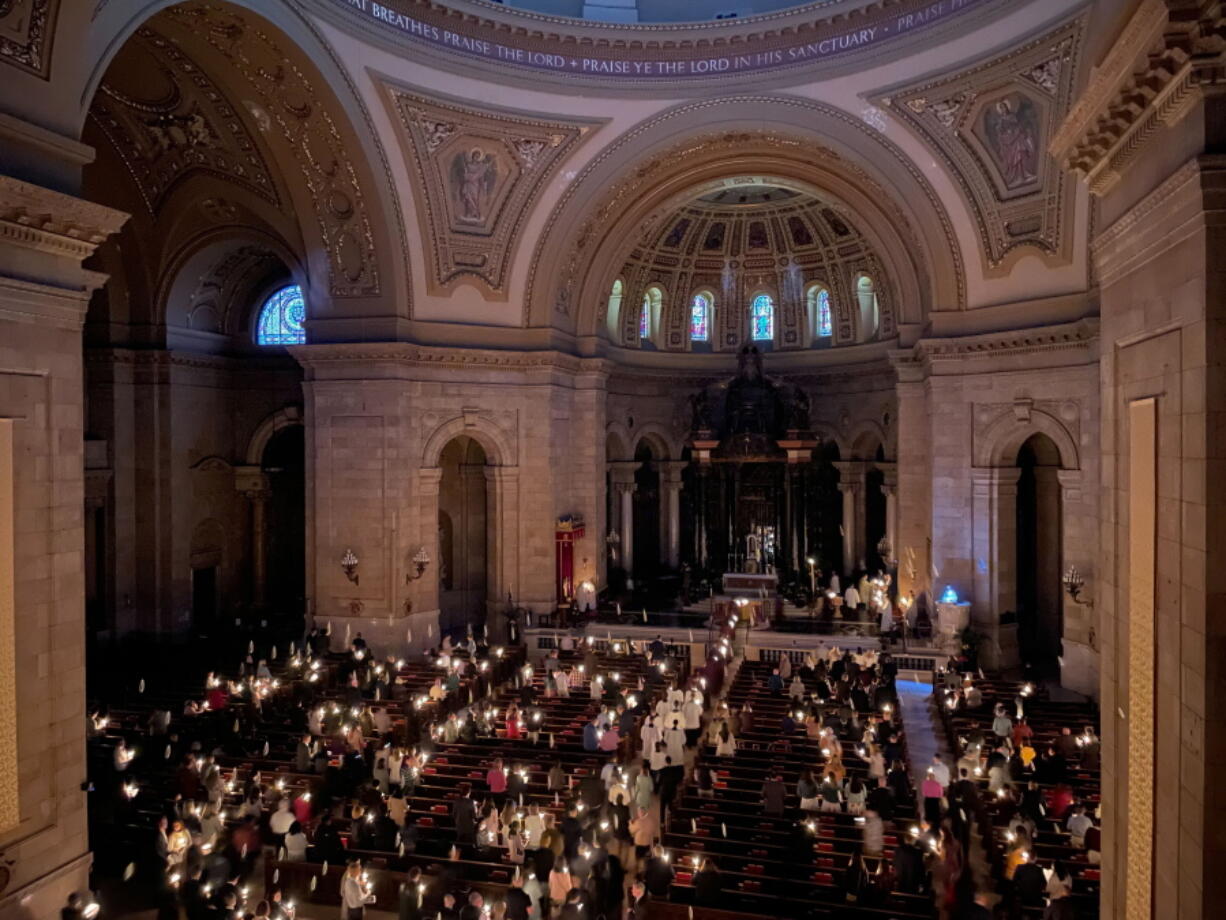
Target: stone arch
(659,164)
(864,440)
(663,445)
(215,259)
(264,57)
(499,451)
(283,418)
(1000,441)
(617,442)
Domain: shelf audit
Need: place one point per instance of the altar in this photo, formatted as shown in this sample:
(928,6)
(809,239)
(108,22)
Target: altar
(753,596)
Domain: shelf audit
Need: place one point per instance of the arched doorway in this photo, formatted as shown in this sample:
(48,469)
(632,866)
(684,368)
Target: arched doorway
(646,545)
(284,463)
(464,535)
(1039,551)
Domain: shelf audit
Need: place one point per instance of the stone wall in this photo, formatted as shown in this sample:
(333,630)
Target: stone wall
(43,297)
(177,426)
(378,418)
(1162,297)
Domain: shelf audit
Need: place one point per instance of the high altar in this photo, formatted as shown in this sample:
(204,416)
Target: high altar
(753,482)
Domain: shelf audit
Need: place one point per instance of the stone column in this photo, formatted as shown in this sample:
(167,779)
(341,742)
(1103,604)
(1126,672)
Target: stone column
(253,484)
(622,475)
(994,534)
(851,485)
(889,488)
(670,508)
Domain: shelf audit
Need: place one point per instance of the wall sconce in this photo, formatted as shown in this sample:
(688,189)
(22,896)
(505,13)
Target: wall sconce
(349,564)
(421,559)
(1073,585)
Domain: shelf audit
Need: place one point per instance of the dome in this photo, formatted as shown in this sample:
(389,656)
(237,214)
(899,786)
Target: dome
(740,242)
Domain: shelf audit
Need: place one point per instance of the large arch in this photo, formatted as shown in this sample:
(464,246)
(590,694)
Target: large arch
(283,80)
(663,162)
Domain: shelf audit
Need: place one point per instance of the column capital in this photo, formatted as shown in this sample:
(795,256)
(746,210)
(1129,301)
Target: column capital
(502,475)
(1003,479)
(622,471)
(251,480)
(670,471)
(851,474)
(428,479)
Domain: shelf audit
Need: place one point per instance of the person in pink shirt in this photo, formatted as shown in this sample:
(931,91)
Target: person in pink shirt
(302,809)
(497,780)
(932,794)
(609,739)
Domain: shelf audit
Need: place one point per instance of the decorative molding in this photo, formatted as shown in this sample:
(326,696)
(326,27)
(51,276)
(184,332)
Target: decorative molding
(990,125)
(1153,77)
(289,102)
(479,171)
(917,363)
(27,33)
(39,219)
(318,356)
(192,127)
(534,45)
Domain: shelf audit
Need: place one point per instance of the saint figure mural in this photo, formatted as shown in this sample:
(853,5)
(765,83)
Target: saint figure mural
(473,176)
(1011,128)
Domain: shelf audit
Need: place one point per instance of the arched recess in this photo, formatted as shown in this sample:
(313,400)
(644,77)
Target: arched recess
(287,417)
(662,163)
(228,271)
(462,457)
(284,82)
(463,539)
(1024,462)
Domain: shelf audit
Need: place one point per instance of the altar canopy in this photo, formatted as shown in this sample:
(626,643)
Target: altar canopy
(755,495)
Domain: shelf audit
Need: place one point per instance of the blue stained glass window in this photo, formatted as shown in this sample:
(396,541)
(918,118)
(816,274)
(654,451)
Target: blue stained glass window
(281,318)
(824,326)
(645,318)
(700,318)
(762,318)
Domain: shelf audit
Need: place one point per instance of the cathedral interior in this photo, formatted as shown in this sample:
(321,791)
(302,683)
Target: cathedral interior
(553,322)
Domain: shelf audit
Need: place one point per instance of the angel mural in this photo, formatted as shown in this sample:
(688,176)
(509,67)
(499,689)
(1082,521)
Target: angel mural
(1011,127)
(473,177)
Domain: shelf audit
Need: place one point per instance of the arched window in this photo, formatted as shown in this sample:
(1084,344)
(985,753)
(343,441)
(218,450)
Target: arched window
(700,317)
(281,318)
(820,321)
(614,312)
(649,314)
(762,318)
(866,293)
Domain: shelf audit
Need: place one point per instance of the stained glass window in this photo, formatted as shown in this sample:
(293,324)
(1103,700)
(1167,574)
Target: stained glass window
(824,326)
(700,318)
(281,318)
(762,318)
(645,318)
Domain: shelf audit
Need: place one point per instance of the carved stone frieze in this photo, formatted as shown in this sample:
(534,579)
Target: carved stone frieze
(179,124)
(27,31)
(1153,76)
(991,126)
(479,171)
(295,109)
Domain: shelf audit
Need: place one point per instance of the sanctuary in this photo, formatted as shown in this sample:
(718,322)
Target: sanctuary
(610,458)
